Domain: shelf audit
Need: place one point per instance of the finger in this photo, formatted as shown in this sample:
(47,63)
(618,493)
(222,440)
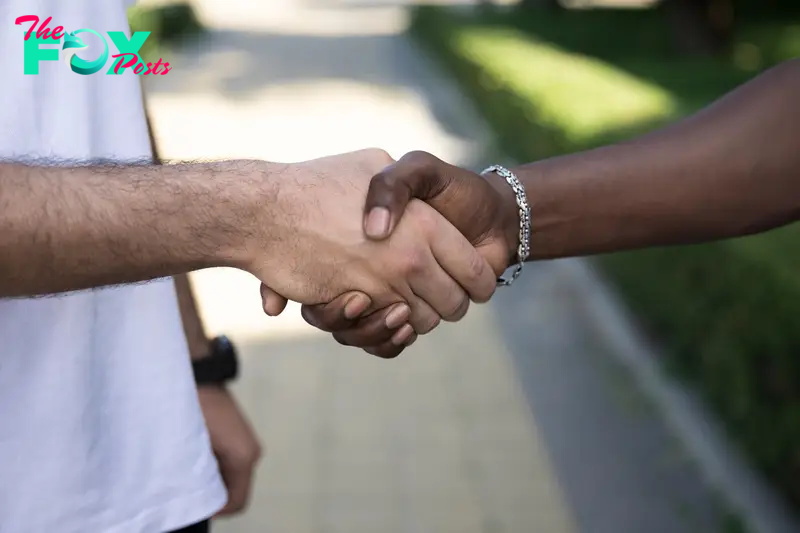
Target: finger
(238,482)
(424,318)
(387,351)
(339,314)
(443,299)
(461,262)
(431,283)
(391,349)
(411,340)
(402,335)
(413,176)
(375,328)
(272,302)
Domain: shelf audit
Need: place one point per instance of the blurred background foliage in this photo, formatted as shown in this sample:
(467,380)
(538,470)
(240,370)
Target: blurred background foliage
(553,80)
(166,23)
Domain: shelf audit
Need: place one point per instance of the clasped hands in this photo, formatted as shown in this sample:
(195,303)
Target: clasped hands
(379,251)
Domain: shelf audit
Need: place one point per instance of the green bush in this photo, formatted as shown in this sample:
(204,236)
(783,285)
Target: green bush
(166,23)
(726,318)
(724,311)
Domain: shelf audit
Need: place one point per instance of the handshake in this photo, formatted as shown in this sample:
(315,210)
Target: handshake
(379,251)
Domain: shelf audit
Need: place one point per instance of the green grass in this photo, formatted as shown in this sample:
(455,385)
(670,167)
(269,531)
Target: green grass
(166,24)
(578,95)
(726,312)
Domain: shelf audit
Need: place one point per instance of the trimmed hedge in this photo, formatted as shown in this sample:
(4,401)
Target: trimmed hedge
(726,312)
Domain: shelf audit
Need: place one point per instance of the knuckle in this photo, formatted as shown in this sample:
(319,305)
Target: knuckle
(425,214)
(316,317)
(476,269)
(428,324)
(483,282)
(419,158)
(411,340)
(416,262)
(363,338)
(379,156)
(372,351)
(451,312)
(343,339)
(388,352)
(384,350)
(426,220)
(381,185)
(458,311)
(486,295)
(311,314)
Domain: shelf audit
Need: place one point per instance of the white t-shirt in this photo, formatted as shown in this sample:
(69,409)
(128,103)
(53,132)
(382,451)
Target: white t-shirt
(100,426)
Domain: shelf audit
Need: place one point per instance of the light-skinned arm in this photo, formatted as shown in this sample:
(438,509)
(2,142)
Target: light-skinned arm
(296,227)
(70,228)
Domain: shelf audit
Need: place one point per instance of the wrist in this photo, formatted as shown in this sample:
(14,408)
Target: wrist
(199,348)
(248,211)
(508,216)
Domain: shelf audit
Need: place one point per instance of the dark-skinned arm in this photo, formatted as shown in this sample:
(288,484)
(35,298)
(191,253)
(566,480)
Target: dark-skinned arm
(731,169)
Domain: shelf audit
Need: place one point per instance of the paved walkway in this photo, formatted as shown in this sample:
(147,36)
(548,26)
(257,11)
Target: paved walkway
(440,440)
(511,421)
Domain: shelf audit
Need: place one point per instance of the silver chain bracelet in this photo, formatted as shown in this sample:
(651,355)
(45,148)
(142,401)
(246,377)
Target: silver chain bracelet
(524,248)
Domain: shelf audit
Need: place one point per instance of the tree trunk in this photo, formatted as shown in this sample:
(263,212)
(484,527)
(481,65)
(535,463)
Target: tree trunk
(701,27)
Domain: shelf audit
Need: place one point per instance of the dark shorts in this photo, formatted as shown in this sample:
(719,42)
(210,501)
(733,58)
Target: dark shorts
(201,527)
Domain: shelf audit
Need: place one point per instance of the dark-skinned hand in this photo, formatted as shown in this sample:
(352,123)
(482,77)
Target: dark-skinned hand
(482,208)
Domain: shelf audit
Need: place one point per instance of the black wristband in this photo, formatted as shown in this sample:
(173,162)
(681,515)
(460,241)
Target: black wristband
(220,366)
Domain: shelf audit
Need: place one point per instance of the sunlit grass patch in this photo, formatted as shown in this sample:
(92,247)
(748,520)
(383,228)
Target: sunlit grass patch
(581,96)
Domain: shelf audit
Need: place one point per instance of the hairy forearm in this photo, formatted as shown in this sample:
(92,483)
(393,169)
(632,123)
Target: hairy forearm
(732,169)
(70,228)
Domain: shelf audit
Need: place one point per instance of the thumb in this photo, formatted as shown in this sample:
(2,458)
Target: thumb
(415,175)
(272,302)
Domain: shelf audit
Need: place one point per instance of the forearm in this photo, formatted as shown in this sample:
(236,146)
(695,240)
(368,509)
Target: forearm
(732,169)
(65,229)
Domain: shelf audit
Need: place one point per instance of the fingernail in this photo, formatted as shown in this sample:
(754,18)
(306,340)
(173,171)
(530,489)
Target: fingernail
(378,222)
(402,335)
(397,316)
(412,340)
(355,306)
